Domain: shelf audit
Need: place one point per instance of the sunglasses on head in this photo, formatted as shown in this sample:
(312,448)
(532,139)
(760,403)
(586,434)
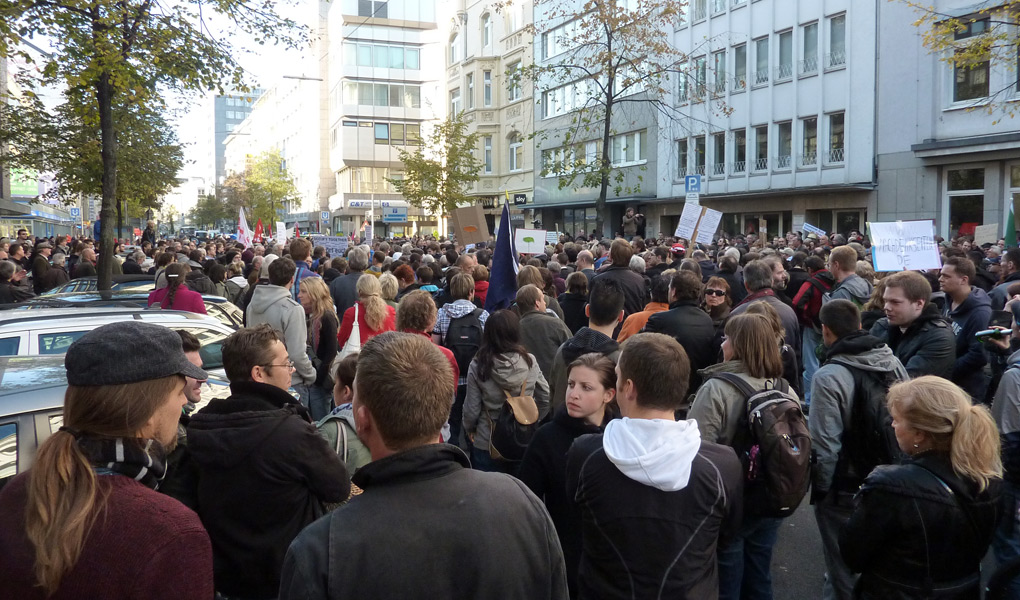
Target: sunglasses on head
(715,292)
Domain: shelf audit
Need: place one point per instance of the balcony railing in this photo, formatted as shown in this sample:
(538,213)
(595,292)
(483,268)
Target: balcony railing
(682,96)
(681,172)
(783,162)
(834,59)
(761,164)
(738,166)
(809,159)
(836,155)
(719,87)
(809,65)
(717,168)
(698,170)
(784,72)
(761,77)
(739,83)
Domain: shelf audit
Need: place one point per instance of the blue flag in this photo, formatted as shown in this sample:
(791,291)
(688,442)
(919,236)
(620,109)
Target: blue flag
(503,272)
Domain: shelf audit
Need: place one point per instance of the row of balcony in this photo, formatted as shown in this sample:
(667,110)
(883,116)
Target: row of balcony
(781,163)
(760,77)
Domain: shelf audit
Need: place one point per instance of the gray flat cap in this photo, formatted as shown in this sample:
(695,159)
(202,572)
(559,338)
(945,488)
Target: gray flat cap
(127,352)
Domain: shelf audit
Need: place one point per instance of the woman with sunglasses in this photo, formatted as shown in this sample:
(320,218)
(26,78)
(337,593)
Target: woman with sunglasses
(717,301)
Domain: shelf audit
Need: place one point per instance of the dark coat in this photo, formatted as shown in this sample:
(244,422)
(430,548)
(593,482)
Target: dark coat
(694,329)
(40,265)
(53,277)
(427,525)
(130,267)
(345,291)
(967,319)
(927,347)
(573,310)
(544,471)
(736,281)
(635,291)
(263,476)
(908,527)
(542,334)
(199,282)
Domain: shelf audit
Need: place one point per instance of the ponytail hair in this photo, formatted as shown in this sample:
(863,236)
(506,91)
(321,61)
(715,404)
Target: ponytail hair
(370,294)
(965,431)
(175,274)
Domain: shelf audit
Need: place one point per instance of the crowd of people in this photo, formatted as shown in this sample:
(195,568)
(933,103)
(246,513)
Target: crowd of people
(395,429)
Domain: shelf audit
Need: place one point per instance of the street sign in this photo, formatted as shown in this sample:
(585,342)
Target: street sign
(324,216)
(395,214)
(75,212)
(693,197)
(692,184)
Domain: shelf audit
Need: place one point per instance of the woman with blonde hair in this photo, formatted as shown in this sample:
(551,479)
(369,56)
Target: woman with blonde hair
(751,351)
(920,529)
(874,309)
(390,286)
(374,316)
(322,324)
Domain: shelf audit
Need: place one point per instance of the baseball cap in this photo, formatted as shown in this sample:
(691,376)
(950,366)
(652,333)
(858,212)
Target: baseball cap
(677,249)
(127,352)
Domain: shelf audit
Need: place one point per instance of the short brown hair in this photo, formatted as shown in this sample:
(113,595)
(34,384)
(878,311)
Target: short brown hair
(527,296)
(480,273)
(915,287)
(392,363)
(461,286)
(620,253)
(753,340)
(963,267)
(300,248)
(845,257)
(659,367)
(530,275)
(686,285)
(416,312)
(577,283)
(246,348)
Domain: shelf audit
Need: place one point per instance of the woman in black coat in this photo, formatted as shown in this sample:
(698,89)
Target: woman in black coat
(573,302)
(920,529)
(591,388)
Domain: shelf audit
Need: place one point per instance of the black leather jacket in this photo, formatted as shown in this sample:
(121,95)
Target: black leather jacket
(919,531)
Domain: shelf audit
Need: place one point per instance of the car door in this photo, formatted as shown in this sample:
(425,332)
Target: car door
(14,344)
(54,340)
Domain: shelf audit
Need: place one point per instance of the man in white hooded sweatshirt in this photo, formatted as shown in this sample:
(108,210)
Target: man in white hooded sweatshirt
(654,497)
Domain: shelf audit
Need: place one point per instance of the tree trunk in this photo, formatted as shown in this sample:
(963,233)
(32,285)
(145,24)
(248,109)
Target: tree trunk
(104,91)
(120,221)
(600,202)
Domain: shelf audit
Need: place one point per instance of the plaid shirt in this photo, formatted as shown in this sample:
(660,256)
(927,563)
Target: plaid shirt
(443,325)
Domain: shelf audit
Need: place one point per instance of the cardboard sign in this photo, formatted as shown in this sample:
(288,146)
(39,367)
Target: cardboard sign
(335,246)
(904,246)
(281,232)
(469,225)
(707,226)
(530,241)
(688,221)
(986,234)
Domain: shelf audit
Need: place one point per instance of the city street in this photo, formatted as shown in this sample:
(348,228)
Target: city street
(797,564)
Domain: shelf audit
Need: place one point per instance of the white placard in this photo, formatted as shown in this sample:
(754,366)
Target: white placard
(688,221)
(334,245)
(552,237)
(904,246)
(281,232)
(707,226)
(530,241)
(812,229)
(986,234)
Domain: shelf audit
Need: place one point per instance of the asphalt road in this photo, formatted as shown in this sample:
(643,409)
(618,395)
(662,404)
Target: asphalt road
(798,568)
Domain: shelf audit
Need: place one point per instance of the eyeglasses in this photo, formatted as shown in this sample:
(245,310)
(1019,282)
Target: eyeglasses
(289,365)
(715,292)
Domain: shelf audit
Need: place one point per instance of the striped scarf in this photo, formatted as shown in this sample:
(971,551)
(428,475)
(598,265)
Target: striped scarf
(142,460)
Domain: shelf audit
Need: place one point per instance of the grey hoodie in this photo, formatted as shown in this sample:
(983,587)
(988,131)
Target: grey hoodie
(832,392)
(485,398)
(273,305)
(854,288)
(1006,405)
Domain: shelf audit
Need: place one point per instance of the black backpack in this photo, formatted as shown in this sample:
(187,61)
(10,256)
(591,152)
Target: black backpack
(515,425)
(464,337)
(868,439)
(774,446)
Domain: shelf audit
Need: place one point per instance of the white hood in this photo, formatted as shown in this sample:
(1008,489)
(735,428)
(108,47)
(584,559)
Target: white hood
(655,452)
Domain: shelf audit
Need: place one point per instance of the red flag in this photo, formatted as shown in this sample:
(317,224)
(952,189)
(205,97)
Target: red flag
(297,232)
(258,232)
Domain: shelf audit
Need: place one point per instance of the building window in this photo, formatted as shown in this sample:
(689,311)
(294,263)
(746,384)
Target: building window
(397,134)
(372,8)
(681,158)
(487,154)
(470,90)
(455,49)
(683,81)
(486,31)
(393,95)
(809,49)
(761,148)
(627,149)
(558,40)
(486,88)
(970,82)
(719,66)
(413,134)
(809,142)
(837,42)
(836,147)
(739,67)
(455,102)
(699,155)
(512,13)
(382,133)
(966,194)
(784,70)
(761,61)
(700,78)
(739,151)
(719,154)
(516,153)
(513,85)
(699,8)
(784,135)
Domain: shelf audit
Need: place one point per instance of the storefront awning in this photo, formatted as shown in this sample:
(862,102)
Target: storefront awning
(12,209)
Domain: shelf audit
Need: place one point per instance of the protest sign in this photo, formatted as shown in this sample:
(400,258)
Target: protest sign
(281,232)
(707,225)
(688,221)
(530,241)
(335,246)
(552,237)
(469,225)
(812,229)
(904,245)
(986,234)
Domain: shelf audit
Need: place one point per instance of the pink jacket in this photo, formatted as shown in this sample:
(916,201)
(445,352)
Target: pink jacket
(184,299)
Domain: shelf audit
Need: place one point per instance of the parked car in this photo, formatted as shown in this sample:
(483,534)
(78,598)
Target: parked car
(134,283)
(52,330)
(32,403)
(215,306)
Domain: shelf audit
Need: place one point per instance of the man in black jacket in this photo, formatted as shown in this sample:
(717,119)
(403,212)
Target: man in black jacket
(427,525)
(263,470)
(635,292)
(654,497)
(913,327)
(688,324)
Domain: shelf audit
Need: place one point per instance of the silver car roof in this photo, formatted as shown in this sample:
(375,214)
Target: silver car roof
(31,383)
(17,319)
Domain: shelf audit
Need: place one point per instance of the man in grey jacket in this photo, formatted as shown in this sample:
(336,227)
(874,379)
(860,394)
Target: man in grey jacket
(849,285)
(542,333)
(851,354)
(272,304)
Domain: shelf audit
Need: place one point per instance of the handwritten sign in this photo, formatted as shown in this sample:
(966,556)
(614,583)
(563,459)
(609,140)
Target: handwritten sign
(530,241)
(904,246)
(986,234)
(281,232)
(334,245)
(688,221)
(707,226)
(812,229)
